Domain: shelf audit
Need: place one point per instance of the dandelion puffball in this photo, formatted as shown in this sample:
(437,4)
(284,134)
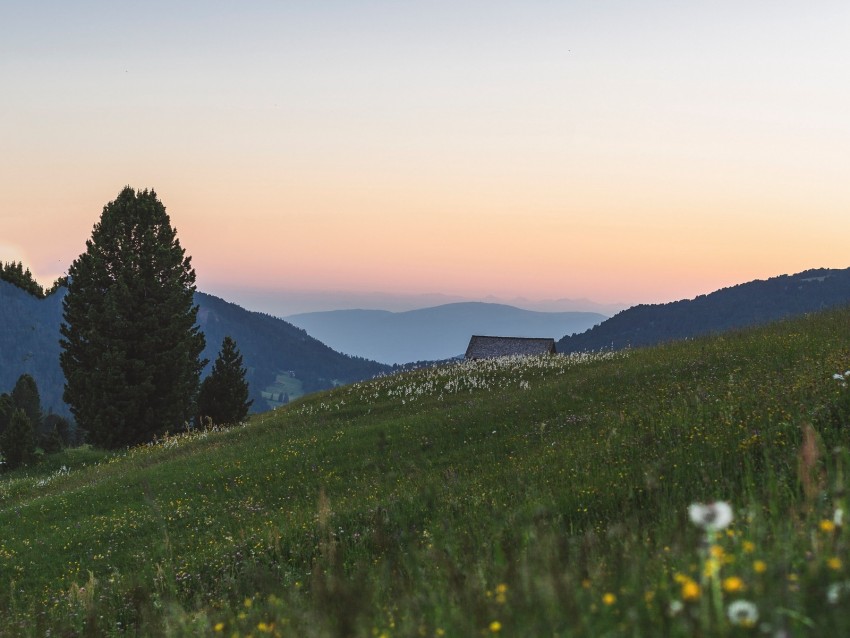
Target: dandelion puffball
(711,516)
(743,613)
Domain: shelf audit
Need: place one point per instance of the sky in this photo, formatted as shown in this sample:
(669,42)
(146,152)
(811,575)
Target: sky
(325,154)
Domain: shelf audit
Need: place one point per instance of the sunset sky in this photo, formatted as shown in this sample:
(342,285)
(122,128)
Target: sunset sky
(625,152)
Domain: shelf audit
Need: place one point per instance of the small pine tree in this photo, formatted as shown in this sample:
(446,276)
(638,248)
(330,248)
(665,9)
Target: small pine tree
(25,396)
(17,443)
(224,393)
(7,409)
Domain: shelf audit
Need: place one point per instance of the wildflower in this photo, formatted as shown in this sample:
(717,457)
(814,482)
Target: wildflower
(733,584)
(675,607)
(495,626)
(759,566)
(834,563)
(609,599)
(835,591)
(711,568)
(219,626)
(712,516)
(717,552)
(749,547)
(690,590)
(743,613)
(827,526)
(838,517)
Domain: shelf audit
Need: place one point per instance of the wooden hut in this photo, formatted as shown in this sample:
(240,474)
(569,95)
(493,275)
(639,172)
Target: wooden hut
(481,347)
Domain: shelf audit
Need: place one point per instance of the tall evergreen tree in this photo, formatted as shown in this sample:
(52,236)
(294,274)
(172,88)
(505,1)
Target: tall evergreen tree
(130,344)
(224,393)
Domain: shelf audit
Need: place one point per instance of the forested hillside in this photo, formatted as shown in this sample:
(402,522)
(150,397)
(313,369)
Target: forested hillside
(748,304)
(29,343)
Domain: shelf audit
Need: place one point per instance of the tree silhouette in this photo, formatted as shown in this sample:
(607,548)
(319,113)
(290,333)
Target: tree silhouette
(224,393)
(130,346)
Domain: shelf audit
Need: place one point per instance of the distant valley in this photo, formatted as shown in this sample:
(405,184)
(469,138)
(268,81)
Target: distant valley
(436,333)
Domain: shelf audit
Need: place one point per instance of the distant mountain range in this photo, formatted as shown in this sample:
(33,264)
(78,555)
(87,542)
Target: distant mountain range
(747,304)
(283,361)
(436,333)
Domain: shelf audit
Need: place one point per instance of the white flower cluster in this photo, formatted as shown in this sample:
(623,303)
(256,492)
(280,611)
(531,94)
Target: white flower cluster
(462,377)
(842,378)
(43,482)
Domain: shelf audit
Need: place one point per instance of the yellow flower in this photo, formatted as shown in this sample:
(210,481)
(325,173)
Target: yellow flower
(690,590)
(834,563)
(827,526)
(711,568)
(717,552)
(733,584)
(749,547)
(609,599)
(759,566)
(219,626)
(495,626)
(248,602)
(501,588)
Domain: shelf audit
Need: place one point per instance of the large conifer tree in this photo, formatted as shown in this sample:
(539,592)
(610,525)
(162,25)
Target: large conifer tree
(131,348)
(224,393)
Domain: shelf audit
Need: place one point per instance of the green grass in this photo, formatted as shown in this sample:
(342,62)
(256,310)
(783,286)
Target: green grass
(532,497)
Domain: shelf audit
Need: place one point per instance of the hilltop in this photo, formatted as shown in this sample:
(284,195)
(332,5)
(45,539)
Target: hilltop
(528,496)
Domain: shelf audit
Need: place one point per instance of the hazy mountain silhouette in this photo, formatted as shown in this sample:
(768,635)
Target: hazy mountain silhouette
(746,304)
(436,333)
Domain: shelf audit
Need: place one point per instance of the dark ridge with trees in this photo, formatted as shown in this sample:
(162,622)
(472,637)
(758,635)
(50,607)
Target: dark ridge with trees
(16,274)
(748,304)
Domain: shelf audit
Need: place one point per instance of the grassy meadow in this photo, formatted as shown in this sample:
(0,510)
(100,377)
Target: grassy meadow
(518,497)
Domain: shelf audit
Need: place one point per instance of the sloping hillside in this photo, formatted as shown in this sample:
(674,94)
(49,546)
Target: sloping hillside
(570,496)
(29,343)
(746,304)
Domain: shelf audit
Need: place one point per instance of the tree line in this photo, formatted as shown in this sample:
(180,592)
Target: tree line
(130,345)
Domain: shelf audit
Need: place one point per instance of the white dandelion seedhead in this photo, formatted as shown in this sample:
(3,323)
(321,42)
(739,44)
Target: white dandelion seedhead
(711,516)
(743,613)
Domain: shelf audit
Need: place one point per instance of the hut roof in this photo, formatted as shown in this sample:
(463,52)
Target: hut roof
(481,347)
